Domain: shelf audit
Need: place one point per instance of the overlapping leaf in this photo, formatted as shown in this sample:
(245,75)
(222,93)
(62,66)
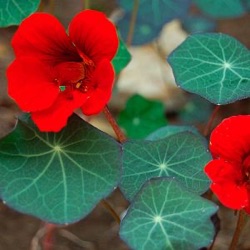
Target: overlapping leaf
(214,66)
(171,130)
(181,155)
(58,177)
(12,12)
(165,216)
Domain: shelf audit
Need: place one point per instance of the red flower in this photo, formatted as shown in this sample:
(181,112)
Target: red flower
(230,169)
(55,73)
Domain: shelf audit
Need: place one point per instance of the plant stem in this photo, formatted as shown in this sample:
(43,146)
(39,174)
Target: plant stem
(111,210)
(211,119)
(242,219)
(120,135)
(132,22)
(49,236)
(86,4)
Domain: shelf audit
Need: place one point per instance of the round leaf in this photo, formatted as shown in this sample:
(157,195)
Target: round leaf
(151,17)
(12,12)
(221,8)
(57,177)
(165,216)
(181,155)
(194,23)
(160,11)
(141,116)
(214,66)
(144,31)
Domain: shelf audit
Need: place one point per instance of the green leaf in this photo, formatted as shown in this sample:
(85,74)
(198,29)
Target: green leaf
(221,8)
(141,116)
(57,177)
(214,66)
(181,155)
(196,110)
(150,18)
(12,12)
(165,216)
(157,12)
(171,130)
(122,57)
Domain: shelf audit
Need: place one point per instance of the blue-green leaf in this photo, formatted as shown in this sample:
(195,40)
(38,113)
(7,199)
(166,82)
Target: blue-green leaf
(151,17)
(165,216)
(221,8)
(214,66)
(57,177)
(171,130)
(12,12)
(181,155)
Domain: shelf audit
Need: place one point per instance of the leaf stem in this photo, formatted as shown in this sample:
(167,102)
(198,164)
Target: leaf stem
(48,236)
(120,135)
(132,22)
(242,219)
(86,4)
(211,120)
(112,211)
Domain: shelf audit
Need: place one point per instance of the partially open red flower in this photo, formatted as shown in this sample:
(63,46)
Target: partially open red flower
(55,73)
(230,169)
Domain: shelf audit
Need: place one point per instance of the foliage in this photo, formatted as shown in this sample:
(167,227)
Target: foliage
(60,177)
(141,116)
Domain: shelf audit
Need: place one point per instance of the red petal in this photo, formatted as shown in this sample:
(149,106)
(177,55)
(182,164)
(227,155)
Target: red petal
(55,118)
(227,184)
(220,171)
(230,140)
(231,195)
(42,35)
(30,83)
(94,35)
(103,79)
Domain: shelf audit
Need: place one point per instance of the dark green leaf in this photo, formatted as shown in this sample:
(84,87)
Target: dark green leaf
(58,177)
(141,117)
(165,216)
(181,155)
(12,12)
(214,66)
(122,58)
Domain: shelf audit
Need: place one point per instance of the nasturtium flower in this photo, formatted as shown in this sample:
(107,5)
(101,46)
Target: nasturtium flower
(55,73)
(230,169)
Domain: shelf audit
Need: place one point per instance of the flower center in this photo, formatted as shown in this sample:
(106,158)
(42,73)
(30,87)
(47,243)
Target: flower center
(74,75)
